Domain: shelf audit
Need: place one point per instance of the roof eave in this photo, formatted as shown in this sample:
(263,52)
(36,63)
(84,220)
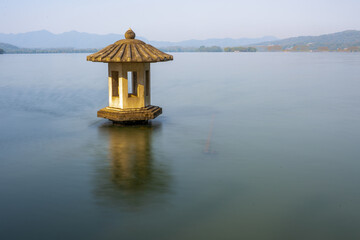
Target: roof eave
(104,61)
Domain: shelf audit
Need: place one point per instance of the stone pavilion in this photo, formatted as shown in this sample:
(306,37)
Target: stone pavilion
(129,79)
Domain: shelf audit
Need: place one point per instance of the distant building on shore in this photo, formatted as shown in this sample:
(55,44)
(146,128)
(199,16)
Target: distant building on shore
(353,49)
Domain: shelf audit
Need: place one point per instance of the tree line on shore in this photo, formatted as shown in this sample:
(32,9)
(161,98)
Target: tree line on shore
(164,49)
(207,49)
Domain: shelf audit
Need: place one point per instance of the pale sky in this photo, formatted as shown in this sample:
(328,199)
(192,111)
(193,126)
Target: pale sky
(168,20)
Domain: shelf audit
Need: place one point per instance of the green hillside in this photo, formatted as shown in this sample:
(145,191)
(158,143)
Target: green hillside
(334,41)
(8,47)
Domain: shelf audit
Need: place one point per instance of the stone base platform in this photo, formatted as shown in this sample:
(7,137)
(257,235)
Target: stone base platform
(131,114)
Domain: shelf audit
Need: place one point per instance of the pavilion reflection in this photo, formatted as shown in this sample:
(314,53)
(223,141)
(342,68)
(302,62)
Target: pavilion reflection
(134,171)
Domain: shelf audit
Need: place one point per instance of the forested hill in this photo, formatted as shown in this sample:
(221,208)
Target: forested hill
(7,47)
(333,41)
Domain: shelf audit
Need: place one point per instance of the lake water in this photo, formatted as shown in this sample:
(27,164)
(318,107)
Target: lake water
(249,146)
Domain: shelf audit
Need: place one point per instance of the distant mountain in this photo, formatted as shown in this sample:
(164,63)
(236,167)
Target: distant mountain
(45,39)
(73,39)
(7,47)
(333,41)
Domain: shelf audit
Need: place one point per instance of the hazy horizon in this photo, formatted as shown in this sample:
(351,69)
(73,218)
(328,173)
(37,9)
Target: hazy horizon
(179,40)
(170,21)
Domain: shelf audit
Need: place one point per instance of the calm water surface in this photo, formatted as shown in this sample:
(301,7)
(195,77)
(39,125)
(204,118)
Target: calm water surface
(283,160)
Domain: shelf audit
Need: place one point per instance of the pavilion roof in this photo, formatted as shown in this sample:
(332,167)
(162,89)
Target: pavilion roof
(129,50)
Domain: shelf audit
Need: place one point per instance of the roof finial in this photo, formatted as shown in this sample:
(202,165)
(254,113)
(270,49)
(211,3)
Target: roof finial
(130,34)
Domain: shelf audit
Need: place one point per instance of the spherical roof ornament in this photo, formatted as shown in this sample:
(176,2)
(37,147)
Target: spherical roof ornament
(130,34)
